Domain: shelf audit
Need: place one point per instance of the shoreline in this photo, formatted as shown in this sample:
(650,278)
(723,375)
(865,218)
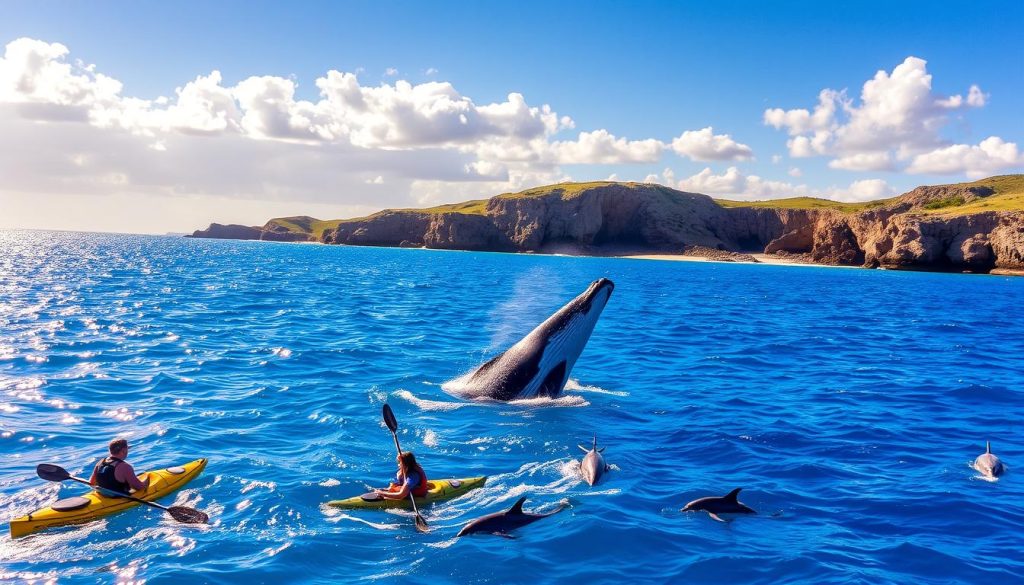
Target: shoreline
(757,258)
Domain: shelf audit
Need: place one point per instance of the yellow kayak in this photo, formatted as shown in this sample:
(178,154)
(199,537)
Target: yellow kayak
(93,505)
(440,490)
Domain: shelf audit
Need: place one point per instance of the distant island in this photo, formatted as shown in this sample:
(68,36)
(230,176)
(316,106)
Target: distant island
(964,227)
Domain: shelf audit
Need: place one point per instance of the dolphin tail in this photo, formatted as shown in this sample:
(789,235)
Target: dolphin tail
(988,447)
(517,508)
(731,496)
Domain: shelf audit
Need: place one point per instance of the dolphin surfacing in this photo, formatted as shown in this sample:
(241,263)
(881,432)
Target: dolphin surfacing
(715,505)
(988,465)
(501,523)
(539,364)
(592,467)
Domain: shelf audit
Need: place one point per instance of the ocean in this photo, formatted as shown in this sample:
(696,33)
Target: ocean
(846,403)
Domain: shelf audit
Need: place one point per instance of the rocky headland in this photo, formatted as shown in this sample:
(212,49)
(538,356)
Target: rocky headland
(967,227)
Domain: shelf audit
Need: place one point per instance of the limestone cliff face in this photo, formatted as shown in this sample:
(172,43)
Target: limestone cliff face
(641,217)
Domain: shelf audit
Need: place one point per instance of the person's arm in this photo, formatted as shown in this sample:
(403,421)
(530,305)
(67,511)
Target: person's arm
(401,494)
(95,473)
(133,481)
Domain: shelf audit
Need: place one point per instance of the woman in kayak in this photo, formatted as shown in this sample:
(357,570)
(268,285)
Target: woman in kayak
(114,473)
(410,478)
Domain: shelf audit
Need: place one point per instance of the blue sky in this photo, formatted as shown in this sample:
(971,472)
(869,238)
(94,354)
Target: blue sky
(638,71)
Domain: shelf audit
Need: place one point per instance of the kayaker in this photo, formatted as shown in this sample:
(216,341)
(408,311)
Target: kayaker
(116,474)
(410,477)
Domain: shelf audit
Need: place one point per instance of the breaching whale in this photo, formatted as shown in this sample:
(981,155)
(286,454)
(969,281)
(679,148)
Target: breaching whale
(987,464)
(715,505)
(593,466)
(539,364)
(501,523)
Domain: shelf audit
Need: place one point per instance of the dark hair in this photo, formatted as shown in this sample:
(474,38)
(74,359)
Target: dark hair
(408,461)
(118,445)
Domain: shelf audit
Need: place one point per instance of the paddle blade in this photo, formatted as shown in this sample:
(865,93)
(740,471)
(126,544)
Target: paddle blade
(389,418)
(52,472)
(188,515)
(421,524)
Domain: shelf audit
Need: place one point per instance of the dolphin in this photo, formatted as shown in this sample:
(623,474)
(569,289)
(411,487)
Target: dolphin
(715,505)
(501,523)
(593,466)
(539,364)
(988,464)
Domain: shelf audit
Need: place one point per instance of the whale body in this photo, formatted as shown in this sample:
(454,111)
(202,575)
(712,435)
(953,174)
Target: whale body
(539,364)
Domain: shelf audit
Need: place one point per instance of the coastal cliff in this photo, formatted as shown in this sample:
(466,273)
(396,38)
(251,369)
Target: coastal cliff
(976,227)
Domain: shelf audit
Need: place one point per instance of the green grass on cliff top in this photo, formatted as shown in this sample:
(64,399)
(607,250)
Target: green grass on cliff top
(1008,196)
(805,203)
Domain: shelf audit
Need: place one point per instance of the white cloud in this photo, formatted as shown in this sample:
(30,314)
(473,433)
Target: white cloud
(431,71)
(989,156)
(601,147)
(705,145)
(863,190)
(897,118)
(864,161)
(795,172)
(68,130)
(776,159)
(391,72)
(734,184)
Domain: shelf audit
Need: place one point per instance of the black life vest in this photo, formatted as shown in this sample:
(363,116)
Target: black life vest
(105,477)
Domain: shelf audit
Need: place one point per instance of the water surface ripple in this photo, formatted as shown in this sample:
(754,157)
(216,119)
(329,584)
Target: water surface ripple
(846,403)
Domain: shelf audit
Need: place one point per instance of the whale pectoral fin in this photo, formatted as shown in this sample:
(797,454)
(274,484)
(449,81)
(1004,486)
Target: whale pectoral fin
(715,517)
(601,450)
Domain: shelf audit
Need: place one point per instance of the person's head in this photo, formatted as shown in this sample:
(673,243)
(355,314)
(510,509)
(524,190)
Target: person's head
(119,448)
(406,462)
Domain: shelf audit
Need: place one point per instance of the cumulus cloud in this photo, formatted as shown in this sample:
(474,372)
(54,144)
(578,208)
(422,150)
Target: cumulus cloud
(989,156)
(705,145)
(864,161)
(734,184)
(68,128)
(601,147)
(898,117)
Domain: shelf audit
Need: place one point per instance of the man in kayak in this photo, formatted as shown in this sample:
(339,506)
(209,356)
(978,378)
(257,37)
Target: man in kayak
(116,474)
(410,478)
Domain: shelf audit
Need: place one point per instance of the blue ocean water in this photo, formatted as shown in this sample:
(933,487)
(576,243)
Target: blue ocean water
(847,403)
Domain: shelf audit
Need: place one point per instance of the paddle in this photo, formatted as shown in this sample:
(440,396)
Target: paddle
(392,423)
(179,513)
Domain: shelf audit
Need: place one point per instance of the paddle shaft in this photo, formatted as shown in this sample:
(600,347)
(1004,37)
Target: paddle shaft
(119,494)
(412,498)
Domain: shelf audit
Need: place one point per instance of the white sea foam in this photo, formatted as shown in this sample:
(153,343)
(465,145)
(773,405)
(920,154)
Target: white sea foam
(433,405)
(575,386)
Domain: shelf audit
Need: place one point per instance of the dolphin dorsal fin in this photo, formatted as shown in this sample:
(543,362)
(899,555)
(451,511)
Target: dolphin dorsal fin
(731,496)
(988,447)
(517,508)
(595,440)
